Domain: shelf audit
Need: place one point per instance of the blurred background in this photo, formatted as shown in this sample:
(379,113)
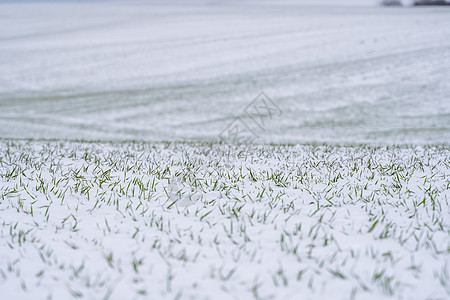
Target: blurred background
(341,71)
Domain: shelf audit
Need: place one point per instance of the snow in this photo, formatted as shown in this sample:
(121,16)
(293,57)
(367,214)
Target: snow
(100,220)
(344,194)
(342,71)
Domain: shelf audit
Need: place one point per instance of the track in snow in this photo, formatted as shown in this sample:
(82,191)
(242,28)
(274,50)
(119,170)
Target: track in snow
(159,71)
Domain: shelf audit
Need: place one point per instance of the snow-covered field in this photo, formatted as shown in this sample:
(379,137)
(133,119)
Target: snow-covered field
(342,71)
(110,218)
(103,221)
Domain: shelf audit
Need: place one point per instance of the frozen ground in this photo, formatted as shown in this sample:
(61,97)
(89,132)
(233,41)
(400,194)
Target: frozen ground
(342,71)
(196,221)
(204,220)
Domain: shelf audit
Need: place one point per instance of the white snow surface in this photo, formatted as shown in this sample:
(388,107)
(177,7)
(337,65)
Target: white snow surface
(195,219)
(103,221)
(341,71)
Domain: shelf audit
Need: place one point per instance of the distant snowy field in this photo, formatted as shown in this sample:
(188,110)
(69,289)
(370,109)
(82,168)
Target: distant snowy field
(198,221)
(342,71)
